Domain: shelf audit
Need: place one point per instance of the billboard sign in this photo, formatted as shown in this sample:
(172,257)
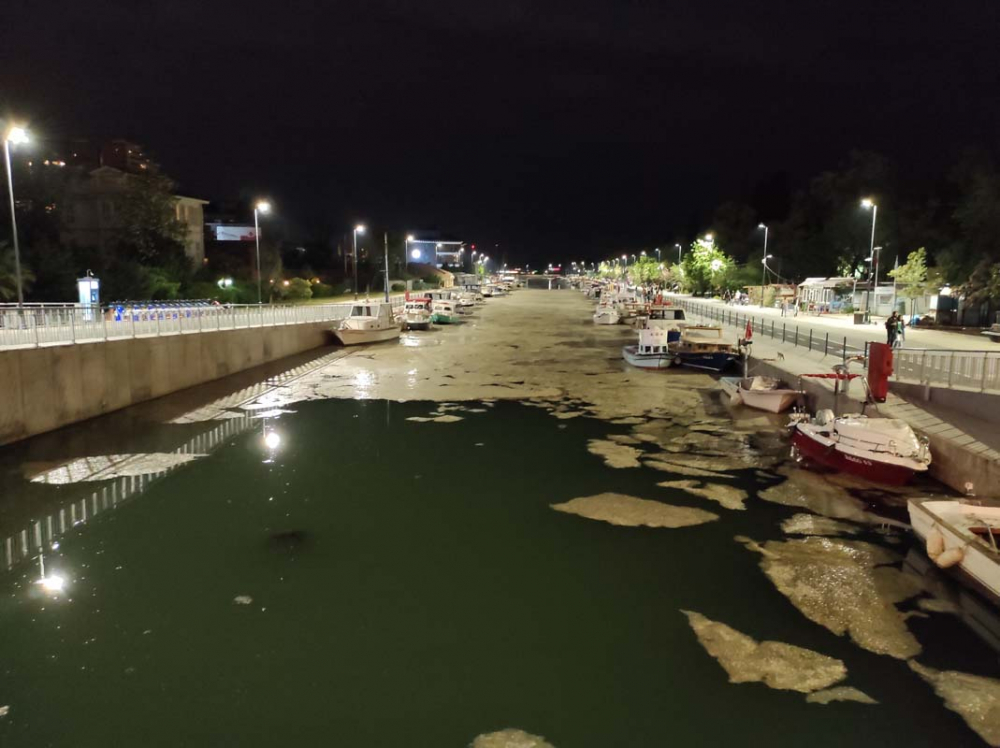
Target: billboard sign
(231,233)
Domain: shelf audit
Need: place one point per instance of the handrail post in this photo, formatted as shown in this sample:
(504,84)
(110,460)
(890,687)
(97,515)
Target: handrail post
(810,338)
(826,345)
(796,336)
(844,351)
(951,366)
(72,325)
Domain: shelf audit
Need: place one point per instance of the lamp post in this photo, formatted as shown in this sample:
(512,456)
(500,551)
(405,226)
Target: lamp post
(869,203)
(406,252)
(261,206)
(678,253)
(14,135)
(763,264)
(359,229)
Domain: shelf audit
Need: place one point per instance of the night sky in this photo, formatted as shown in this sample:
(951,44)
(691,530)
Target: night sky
(559,130)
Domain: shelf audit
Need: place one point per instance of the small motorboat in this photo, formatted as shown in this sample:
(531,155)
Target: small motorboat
(444,312)
(417,314)
(368,322)
(961,534)
(652,351)
(606,315)
(702,347)
(762,393)
(882,450)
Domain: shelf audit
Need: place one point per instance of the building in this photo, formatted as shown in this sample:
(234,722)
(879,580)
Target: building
(91,213)
(128,157)
(824,291)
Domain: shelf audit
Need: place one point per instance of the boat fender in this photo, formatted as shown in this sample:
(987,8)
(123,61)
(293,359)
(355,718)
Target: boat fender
(950,557)
(935,544)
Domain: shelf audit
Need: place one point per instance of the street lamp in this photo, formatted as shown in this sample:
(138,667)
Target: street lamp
(678,253)
(261,206)
(866,204)
(15,135)
(657,254)
(763,264)
(406,251)
(359,229)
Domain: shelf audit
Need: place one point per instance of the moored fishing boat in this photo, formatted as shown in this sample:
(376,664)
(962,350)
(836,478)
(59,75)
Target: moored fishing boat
(651,352)
(762,393)
(368,322)
(702,347)
(882,450)
(606,314)
(443,312)
(962,535)
(417,314)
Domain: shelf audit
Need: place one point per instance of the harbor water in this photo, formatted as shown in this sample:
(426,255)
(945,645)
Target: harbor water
(386,547)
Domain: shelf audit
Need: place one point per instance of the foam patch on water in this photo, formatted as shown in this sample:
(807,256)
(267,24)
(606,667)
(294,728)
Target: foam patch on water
(729,497)
(842,585)
(974,697)
(810,524)
(615,455)
(678,468)
(105,467)
(629,511)
(840,693)
(775,664)
(510,738)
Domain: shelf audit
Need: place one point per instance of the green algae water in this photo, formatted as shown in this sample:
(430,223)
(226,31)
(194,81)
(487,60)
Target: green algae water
(340,575)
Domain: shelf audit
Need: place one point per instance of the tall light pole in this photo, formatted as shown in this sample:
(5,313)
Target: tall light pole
(14,135)
(406,252)
(763,264)
(869,203)
(678,253)
(657,254)
(261,206)
(359,229)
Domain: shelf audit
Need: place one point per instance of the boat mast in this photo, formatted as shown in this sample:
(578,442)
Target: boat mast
(386,238)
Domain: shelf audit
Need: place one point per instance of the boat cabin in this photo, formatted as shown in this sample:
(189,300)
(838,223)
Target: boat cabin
(653,340)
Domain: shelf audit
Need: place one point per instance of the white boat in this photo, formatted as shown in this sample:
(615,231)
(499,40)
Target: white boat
(444,312)
(963,535)
(417,314)
(606,315)
(883,450)
(762,393)
(369,322)
(703,347)
(652,351)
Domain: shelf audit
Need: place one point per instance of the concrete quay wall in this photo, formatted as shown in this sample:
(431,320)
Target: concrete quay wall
(42,389)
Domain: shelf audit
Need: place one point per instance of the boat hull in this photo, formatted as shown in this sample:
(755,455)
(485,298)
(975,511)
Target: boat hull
(647,360)
(360,337)
(864,467)
(709,361)
(773,401)
(424,325)
(981,567)
(442,319)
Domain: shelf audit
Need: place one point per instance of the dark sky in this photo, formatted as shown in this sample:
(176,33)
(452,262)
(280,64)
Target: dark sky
(556,129)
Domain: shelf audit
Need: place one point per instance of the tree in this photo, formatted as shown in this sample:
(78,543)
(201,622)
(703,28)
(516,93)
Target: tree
(645,270)
(914,277)
(8,275)
(705,267)
(149,226)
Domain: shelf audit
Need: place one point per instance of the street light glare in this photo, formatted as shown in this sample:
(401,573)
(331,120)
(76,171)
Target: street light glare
(262,206)
(409,238)
(17,135)
(867,203)
(709,237)
(359,228)
(761,226)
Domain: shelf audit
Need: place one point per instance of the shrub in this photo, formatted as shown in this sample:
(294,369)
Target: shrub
(322,290)
(297,289)
(398,286)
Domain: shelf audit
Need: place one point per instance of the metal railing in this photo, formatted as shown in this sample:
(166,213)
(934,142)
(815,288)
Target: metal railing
(783,332)
(970,370)
(30,327)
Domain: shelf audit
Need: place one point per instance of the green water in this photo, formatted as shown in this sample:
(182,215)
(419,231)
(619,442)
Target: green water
(429,595)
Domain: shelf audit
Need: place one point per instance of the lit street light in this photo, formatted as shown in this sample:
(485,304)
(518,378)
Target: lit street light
(359,229)
(15,135)
(872,256)
(406,252)
(678,253)
(657,254)
(261,206)
(763,264)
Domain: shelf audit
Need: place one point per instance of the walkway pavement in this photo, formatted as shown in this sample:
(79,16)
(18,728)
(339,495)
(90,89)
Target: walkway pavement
(857,335)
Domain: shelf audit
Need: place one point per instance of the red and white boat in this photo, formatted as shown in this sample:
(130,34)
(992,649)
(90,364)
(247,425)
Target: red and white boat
(882,450)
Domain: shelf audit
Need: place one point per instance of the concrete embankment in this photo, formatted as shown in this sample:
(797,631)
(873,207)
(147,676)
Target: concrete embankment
(49,387)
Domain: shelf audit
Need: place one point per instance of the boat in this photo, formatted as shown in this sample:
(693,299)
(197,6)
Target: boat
(963,535)
(882,450)
(702,347)
(606,315)
(652,351)
(762,393)
(443,312)
(417,314)
(368,322)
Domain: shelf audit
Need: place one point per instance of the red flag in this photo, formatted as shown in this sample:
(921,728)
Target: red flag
(749,333)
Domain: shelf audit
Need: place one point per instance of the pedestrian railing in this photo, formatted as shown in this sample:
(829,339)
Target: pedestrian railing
(972,370)
(28,327)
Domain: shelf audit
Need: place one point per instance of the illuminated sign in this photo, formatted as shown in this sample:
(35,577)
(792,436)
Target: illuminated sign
(231,233)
